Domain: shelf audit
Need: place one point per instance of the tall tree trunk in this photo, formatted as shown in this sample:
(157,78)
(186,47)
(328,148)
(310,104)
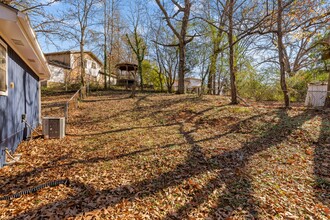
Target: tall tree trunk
(134,86)
(182,59)
(281,54)
(82,69)
(327,100)
(160,81)
(105,44)
(232,65)
(111,40)
(182,36)
(219,76)
(140,73)
(169,88)
(213,70)
(216,40)
(105,67)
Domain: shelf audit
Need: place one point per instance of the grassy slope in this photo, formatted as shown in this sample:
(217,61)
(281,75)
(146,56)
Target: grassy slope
(173,157)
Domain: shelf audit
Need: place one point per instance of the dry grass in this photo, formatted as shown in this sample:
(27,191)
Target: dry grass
(176,157)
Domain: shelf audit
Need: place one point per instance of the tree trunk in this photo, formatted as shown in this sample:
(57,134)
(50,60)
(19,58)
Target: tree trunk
(219,83)
(169,86)
(109,67)
(281,54)
(169,89)
(232,65)
(161,81)
(182,37)
(327,100)
(82,70)
(213,64)
(213,70)
(105,69)
(112,31)
(105,44)
(140,74)
(182,58)
(133,87)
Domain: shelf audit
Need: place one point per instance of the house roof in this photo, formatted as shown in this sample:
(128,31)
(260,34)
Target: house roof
(127,66)
(75,52)
(58,64)
(16,30)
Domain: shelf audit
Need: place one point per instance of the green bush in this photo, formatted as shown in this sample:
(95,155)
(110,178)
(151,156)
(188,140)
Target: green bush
(254,85)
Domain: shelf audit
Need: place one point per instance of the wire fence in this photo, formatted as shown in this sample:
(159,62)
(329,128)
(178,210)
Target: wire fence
(71,104)
(62,108)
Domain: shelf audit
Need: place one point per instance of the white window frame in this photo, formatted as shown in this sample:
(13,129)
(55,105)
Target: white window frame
(2,43)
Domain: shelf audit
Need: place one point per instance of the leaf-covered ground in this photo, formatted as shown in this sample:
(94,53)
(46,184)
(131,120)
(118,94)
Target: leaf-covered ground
(176,157)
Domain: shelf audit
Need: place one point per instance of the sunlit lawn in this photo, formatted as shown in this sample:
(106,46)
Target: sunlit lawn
(163,156)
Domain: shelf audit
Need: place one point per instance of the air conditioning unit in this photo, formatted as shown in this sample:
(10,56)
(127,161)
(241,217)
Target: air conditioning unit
(53,127)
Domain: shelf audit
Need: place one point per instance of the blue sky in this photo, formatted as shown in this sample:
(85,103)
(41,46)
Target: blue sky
(56,8)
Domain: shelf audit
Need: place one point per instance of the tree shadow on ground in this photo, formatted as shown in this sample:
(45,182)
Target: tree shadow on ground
(120,130)
(322,163)
(233,178)
(144,112)
(67,161)
(237,193)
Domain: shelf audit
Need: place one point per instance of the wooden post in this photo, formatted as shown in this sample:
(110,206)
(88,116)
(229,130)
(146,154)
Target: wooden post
(66,112)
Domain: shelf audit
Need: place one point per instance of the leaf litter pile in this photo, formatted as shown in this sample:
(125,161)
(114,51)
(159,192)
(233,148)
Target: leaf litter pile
(175,157)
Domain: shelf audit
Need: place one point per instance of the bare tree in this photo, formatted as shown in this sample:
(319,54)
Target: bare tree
(279,33)
(169,61)
(111,23)
(215,13)
(325,57)
(181,34)
(135,38)
(286,21)
(80,20)
(106,28)
(167,57)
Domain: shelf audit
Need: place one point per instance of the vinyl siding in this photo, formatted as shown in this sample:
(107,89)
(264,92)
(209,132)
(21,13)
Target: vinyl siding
(23,98)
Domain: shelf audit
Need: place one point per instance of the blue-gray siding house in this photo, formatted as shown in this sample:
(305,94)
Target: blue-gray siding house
(22,67)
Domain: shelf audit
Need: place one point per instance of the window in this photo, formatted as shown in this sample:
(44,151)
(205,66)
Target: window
(93,65)
(85,63)
(3,69)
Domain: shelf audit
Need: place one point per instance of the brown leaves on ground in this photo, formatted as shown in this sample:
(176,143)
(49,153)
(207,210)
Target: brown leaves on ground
(176,157)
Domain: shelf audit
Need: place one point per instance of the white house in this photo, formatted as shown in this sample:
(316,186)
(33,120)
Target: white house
(66,67)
